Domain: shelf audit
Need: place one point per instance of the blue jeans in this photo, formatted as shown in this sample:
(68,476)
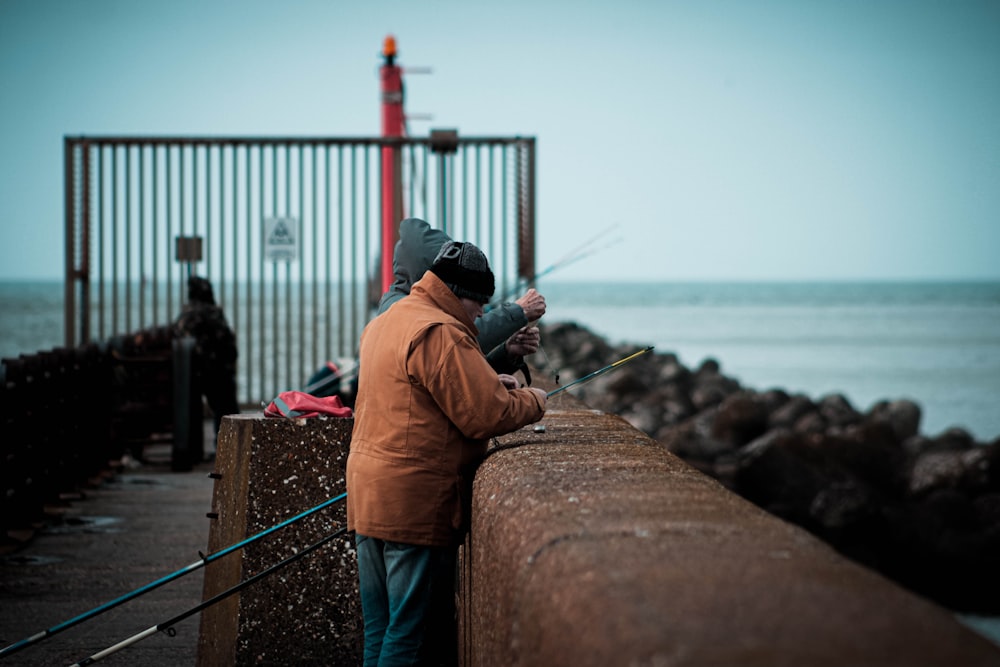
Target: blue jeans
(395,582)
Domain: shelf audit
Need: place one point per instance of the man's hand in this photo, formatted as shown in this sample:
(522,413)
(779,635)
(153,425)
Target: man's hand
(509,381)
(525,341)
(533,304)
(541,394)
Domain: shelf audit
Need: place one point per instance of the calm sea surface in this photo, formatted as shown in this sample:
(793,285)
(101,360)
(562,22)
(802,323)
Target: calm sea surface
(935,343)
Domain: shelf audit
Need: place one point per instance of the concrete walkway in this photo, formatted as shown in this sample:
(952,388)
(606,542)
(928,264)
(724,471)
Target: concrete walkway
(126,531)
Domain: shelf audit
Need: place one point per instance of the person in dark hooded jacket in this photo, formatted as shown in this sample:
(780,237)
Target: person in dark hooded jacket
(506,332)
(215,350)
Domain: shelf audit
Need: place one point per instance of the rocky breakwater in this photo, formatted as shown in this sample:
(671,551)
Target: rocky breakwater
(922,510)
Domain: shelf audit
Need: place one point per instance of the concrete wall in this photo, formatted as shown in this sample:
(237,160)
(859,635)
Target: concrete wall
(309,611)
(591,545)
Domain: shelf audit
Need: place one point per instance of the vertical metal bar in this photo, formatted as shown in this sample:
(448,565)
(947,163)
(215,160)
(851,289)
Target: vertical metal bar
(249,345)
(192,151)
(340,251)
(207,244)
(301,262)
(284,209)
(415,205)
(263,283)
(69,230)
(510,228)
(479,195)
(182,178)
(154,222)
(526,210)
(127,252)
(168,168)
(275,304)
(465,192)
(286,353)
(314,361)
(234,236)
(220,243)
(234,305)
(490,219)
(114,241)
(101,245)
(425,170)
(141,185)
(354,244)
(368,217)
(83,252)
(328,291)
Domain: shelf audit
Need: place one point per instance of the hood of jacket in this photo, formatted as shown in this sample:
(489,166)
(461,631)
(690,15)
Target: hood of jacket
(415,251)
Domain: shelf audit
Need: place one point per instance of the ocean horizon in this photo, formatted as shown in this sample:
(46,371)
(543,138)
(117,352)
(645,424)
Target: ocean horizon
(934,342)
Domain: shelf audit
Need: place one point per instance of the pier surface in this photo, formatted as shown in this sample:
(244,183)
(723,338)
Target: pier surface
(124,532)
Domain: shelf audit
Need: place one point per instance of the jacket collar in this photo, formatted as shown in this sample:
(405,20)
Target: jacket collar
(432,289)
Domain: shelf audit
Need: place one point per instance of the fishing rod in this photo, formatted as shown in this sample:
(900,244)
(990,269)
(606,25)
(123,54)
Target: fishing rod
(322,383)
(168,625)
(578,253)
(205,560)
(573,254)
(600,371)
(575,258)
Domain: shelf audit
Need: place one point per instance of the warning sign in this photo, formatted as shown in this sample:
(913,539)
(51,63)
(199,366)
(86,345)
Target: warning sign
(281,239)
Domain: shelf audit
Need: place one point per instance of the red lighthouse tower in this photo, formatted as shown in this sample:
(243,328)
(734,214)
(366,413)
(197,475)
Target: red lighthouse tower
(393,125)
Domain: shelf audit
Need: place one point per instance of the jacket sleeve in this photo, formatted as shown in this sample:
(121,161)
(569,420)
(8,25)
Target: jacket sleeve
(469,393)
(499,324)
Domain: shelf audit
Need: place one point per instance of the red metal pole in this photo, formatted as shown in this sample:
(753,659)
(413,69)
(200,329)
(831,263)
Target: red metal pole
(392,126)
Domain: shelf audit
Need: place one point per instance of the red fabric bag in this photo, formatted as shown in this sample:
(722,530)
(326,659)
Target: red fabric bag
(300,405)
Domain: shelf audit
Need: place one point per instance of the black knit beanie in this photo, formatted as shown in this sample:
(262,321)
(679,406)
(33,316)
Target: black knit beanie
(464,269)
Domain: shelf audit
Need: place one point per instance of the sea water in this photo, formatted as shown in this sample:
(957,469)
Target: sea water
(937,344)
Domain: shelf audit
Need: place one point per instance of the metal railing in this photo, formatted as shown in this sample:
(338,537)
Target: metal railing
(286,229)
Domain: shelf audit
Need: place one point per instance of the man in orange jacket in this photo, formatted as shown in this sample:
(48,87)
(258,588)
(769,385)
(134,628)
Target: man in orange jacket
(427,404)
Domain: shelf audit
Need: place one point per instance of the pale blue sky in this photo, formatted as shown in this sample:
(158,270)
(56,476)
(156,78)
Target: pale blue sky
(728,139)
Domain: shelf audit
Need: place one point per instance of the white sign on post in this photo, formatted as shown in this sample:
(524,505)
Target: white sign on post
(281,239)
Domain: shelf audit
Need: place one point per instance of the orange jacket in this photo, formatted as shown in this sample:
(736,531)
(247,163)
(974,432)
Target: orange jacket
(427,404)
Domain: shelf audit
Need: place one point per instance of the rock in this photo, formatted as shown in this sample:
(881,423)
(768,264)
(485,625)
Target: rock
(740,418)
(903,416)
(783,473)
(838,411)
(693,439)
(952,439)
(794,409)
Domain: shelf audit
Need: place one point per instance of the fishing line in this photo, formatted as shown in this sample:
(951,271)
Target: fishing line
(17,646)
(578,253)
(168,625)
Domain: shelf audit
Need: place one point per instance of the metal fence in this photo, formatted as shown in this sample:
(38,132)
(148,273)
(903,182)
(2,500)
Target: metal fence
(286,229)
